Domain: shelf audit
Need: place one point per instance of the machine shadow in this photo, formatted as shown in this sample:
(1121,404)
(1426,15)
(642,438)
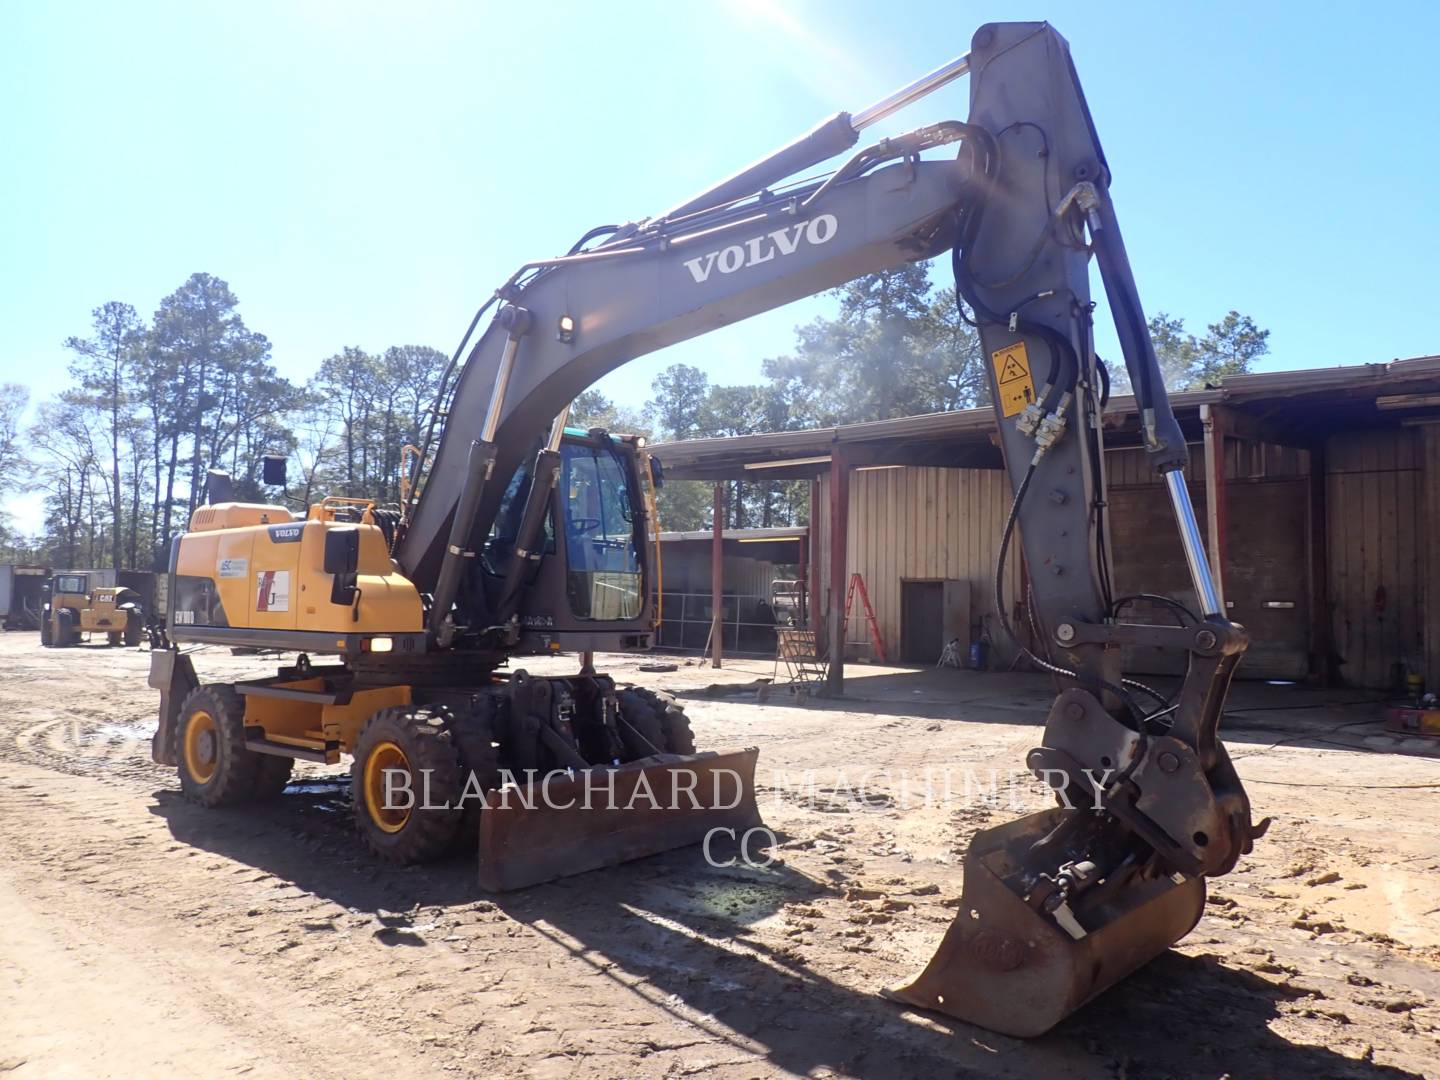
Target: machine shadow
(1259,713)
(692,939)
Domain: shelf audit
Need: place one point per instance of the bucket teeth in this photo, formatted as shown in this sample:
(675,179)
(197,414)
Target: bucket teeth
(1006,966)
(563,824)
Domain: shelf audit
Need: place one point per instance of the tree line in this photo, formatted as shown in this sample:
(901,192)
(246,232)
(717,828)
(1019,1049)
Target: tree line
(120,456)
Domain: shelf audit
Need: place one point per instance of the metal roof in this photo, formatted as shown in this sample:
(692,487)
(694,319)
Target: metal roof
(1297,406)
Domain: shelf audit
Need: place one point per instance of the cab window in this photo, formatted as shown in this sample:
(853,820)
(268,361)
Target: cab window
(604,561)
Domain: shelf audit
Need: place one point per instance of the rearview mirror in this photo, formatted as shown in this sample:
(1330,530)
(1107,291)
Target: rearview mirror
(342,559)
(342,551)
(272,470)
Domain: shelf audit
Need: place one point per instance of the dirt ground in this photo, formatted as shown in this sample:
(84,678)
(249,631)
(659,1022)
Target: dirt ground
(146,937)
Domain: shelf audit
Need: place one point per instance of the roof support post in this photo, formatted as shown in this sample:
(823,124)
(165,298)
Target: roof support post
(1430,567)
(839,526)
(717,577)
(1322,649)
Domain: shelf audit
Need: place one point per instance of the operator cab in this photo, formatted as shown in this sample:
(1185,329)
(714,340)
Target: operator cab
(596,528)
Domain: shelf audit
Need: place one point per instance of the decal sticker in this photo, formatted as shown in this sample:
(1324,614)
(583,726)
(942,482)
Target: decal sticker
(1013,384)
(234,567)
(286,534)
(272,590)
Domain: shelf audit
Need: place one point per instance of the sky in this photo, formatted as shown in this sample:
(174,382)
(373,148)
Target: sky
(365,173)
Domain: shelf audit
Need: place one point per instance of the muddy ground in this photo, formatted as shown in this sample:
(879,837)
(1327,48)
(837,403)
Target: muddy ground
(144,936)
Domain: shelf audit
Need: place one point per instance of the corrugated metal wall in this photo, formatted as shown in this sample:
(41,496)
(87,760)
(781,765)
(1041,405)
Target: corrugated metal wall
(1374,500)
(921,524)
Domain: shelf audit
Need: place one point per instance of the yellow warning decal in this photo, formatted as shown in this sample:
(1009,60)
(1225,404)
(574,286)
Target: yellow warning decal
(1013,383)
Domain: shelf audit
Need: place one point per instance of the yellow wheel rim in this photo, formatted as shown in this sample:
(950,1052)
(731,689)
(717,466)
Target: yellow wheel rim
(202,747)
(387,757)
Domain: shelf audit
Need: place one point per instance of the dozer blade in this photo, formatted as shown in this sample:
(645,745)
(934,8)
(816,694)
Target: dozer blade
(570,823)
(1007,967)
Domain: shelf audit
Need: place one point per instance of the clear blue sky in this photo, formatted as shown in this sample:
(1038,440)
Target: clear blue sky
(364,173)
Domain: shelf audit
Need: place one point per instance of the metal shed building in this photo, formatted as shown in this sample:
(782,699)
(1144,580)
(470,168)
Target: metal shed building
(1317,490)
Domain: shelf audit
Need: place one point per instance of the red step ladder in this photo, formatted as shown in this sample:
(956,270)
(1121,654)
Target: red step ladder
(858,583)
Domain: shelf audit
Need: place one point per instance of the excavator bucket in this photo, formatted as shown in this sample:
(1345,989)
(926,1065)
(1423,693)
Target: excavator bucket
(1007,967)
(568,823)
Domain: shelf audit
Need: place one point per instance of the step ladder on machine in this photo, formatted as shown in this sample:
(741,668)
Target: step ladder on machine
(857,584)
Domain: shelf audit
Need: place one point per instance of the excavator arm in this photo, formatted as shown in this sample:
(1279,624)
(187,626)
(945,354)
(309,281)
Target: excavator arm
(1059,905)
(563,323)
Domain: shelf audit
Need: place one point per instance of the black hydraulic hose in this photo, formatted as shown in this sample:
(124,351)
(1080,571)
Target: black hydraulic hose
(599,230)
(999,599)
(440,399)
(1104,373)
(1155,598)
(1064,364)
(1064,368)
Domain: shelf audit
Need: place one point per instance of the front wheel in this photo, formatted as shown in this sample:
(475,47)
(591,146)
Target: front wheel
(65,633)
(407,783)
(215,768)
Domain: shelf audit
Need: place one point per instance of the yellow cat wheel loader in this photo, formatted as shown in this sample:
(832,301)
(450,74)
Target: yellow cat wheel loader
(518,536)
(74,611)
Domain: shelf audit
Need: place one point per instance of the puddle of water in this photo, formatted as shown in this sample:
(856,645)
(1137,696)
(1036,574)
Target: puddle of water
(318,786)
(118,732)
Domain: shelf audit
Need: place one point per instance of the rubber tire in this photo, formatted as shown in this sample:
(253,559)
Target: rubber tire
(236,768)
(679,738)
(65,633)
(672,726)
(135,632)
(474,733)
(47,637)
(271,777)
(424,734)
(640,713)
(113,638)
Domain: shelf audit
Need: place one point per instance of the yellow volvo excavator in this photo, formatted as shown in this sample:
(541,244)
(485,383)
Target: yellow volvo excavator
(519,536)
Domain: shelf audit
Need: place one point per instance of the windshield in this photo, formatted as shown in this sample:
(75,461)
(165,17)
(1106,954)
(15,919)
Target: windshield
(604,580)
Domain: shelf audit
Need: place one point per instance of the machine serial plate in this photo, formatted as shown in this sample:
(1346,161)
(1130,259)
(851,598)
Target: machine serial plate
(1014,387)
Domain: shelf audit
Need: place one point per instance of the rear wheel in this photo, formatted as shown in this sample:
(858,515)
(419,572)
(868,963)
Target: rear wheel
(659,719)
(47,631)
(679,739)
(113,638)
(642,727)
(407,781)
(134,631)
(215,768)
